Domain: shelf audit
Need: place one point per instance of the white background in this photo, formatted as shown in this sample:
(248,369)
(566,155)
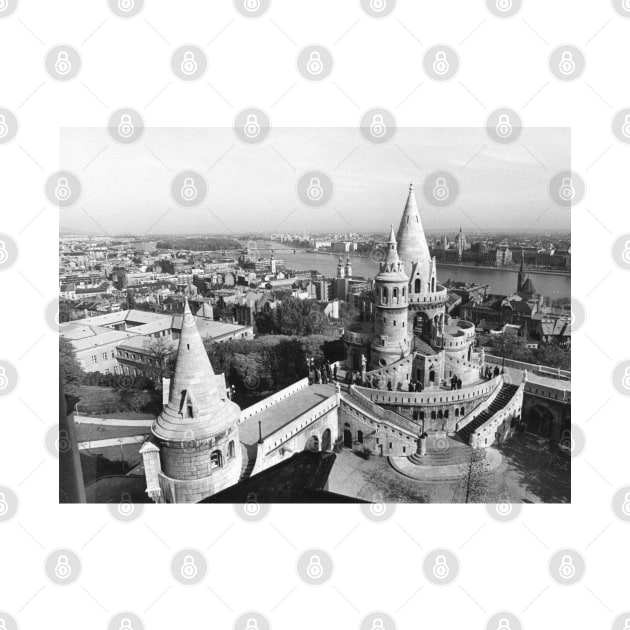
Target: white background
(252,63)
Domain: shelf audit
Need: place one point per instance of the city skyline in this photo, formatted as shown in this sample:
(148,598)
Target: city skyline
(126,189)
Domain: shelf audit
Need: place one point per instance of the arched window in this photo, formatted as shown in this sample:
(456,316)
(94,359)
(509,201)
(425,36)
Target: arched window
(403,291)
(360,437)
(432,285)
(457,413)
(231,450)
(461,411)
(422,415)
(446,414)
(439,415)
(433,415)
(417,285)
(216,459)
(385,295)
(395,293)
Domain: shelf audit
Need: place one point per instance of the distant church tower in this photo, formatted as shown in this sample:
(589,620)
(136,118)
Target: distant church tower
(521,273)
(272,263)
(461,244)
(348,267)
(391,336)
(194,449)
(340,268)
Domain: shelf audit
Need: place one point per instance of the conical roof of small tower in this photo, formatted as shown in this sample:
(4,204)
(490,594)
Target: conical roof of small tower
(392,268)
(412,243)
(196,408)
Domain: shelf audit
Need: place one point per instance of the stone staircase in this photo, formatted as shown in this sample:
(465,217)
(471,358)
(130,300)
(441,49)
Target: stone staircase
(499,402)
(444,451)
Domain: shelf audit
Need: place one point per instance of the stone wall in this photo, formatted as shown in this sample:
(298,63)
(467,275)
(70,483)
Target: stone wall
(502,425)
(273,399)
(373,437)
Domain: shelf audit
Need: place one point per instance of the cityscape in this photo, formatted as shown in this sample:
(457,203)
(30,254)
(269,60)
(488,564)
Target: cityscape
(327,367)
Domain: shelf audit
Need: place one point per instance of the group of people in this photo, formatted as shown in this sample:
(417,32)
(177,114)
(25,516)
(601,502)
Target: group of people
(456,382)
(488,373)
(323,374)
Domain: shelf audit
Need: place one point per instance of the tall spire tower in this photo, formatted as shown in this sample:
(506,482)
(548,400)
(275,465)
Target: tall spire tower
(194,450)
(391,338)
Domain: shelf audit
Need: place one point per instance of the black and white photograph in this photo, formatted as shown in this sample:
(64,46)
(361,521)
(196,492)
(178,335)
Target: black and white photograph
(376,315)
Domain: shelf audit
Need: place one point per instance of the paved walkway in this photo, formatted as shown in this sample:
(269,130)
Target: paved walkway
(111,422)
(134,439)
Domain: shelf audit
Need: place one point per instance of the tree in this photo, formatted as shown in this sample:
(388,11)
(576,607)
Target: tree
(162,351)
(69,366)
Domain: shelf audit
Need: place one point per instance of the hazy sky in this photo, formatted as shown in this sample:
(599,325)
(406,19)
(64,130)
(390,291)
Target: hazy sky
(126,189)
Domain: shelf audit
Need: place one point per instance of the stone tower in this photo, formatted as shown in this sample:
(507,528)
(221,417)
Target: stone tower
(391,340)
(340,268)
(521,273)
(194,450)
(427,299)
(348,268)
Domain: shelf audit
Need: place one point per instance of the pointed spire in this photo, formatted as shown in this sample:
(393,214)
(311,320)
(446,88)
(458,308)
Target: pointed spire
(392,248)
(412,243)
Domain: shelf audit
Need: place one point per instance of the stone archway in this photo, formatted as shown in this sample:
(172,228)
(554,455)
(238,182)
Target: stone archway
(539,421)
(312,443)
(327,440)
(347,436)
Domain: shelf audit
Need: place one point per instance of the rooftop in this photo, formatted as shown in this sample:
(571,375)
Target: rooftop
(283,412)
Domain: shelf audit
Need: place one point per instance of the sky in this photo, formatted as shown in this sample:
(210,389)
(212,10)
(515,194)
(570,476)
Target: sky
(252,188)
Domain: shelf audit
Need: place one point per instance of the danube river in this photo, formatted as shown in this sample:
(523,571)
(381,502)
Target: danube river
(501,281)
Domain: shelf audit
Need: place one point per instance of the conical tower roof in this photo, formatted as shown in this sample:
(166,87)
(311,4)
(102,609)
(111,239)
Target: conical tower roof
(196,408)
(412,243)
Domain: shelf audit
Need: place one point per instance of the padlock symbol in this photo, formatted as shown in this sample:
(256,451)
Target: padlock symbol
(504,507)
(189,568)
(378,507)
(4,5)
(62,190)
(626,7)
(504,126)
(314,570)
(378,624)
(125,126)
(567,568)
(4,128)
(625,128)
(315,191)
(63,570)
(252,507)
(626,625)
(62,442)
(252,624)
(504,5)
(63,65)
(440,568)
(378,5)
(189,64)
(3,625)
(252,126)
(567,191)
(125,624)
(126,5)
(625,254)
(4,254)
(625,506)
(567,63)
(4,506)
(125,507)
(440,189)
(4,381)
(252,5)
(189,190)
(440,63)
(567,440)
(377,127)
(504,624)
(626,378)
(314,64)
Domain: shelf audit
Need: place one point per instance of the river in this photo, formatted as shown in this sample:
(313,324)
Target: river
(501,281)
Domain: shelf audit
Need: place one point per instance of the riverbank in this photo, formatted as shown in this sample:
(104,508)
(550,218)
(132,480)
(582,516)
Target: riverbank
(536,270)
